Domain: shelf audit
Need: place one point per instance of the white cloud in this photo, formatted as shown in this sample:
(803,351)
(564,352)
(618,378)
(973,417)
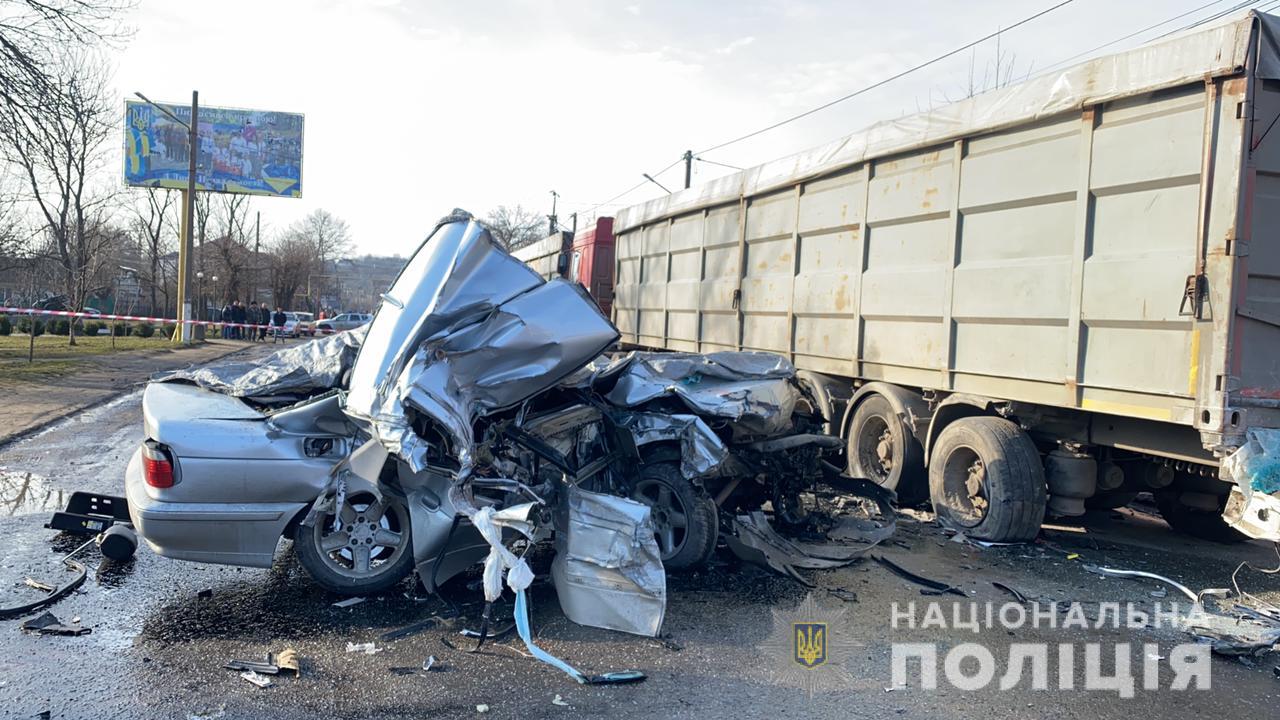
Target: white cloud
(735,45)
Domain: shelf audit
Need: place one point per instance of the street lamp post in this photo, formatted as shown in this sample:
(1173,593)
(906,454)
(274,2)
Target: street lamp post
(188,210)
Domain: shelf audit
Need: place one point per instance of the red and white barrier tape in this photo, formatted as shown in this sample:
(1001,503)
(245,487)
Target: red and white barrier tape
(129,318)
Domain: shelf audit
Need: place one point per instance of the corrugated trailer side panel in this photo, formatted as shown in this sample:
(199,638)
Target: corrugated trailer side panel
(1045,263)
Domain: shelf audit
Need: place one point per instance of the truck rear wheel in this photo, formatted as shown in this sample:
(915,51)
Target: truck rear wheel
(986,480)
(1198,522)
(883,450)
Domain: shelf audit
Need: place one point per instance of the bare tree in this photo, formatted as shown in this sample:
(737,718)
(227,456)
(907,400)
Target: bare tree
(329,239)
(33,31)
(515,227)
(57,143)
(153,221)
(293,259)
(329,235)
(230,253)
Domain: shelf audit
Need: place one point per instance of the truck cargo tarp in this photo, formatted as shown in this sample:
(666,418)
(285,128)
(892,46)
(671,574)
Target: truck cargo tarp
(1177,60)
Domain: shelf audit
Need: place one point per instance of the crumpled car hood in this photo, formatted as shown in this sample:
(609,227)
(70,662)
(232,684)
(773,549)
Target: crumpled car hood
(466,330)
(755,391)
(284,376)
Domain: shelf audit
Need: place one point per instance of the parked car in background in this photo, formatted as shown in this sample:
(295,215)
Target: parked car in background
(345,321)
(306,324)
(298,324)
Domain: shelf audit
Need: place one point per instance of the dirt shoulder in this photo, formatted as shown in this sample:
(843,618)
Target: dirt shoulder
(37,395)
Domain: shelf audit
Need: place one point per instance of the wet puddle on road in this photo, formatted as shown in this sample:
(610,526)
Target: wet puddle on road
(23,493)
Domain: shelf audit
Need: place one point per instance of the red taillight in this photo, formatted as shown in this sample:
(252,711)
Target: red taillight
(157,466)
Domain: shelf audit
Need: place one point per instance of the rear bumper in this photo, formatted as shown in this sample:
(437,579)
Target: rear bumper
(226,533)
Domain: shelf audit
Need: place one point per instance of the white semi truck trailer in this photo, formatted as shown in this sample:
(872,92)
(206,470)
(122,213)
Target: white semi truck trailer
(1055,294)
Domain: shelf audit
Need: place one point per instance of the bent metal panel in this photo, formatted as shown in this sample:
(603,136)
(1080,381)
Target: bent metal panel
(250,152)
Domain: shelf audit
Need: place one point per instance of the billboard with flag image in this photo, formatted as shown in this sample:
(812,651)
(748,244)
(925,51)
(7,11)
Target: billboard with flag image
(250,152)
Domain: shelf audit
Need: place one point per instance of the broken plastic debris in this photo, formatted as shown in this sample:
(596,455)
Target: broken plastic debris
(1011,590)
(349,602)
(522,626)
(258,679)
(482,708)
(407,630)
(49,624)
(1114,572)
(557,700)
(367,648)
(936,587)
(36,584)
(287,659)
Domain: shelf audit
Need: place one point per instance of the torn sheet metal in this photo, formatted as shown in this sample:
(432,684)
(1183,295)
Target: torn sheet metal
(755,541)
(521,349)
(298,371)
(755,391)
(608,568)
(1254,505)
(466,330)
(701,450)
(1231,635)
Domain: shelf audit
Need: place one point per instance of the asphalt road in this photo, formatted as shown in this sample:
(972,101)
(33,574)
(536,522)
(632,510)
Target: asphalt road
(162,628)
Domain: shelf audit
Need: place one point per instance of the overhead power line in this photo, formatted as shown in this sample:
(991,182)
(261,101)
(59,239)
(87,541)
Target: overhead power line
(1133,34)
(638,185)
(887,80)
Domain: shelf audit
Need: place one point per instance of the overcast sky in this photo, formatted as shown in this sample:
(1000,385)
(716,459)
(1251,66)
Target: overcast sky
(414,108)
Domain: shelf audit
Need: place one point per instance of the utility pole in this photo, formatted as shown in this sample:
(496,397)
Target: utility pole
(552,216)
(188,222)
(575,223)
(688,168)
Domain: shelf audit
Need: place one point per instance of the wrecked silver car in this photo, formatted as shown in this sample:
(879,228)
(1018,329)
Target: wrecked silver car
(478,407)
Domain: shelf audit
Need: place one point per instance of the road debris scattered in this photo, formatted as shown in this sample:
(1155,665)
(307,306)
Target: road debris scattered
(49,624)
(367,648)
(409,630)
(1017,595)
(1115,572)
(38,585)
(260,680)
(931,587)
(289,662)
(349,602)
(557,700)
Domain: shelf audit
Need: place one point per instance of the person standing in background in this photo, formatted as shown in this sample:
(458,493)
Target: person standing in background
(252,317)
(277,323)
(237,316)
(264,318)
(227,319)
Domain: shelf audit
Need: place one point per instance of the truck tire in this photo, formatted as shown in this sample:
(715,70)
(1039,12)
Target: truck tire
(883,450)
(686,521)
(1196,522)
(986,479)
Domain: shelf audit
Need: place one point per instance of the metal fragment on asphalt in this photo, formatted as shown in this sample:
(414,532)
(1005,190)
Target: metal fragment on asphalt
(260,680)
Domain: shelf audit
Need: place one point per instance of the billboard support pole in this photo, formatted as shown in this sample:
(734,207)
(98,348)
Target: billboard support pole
(185,329)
